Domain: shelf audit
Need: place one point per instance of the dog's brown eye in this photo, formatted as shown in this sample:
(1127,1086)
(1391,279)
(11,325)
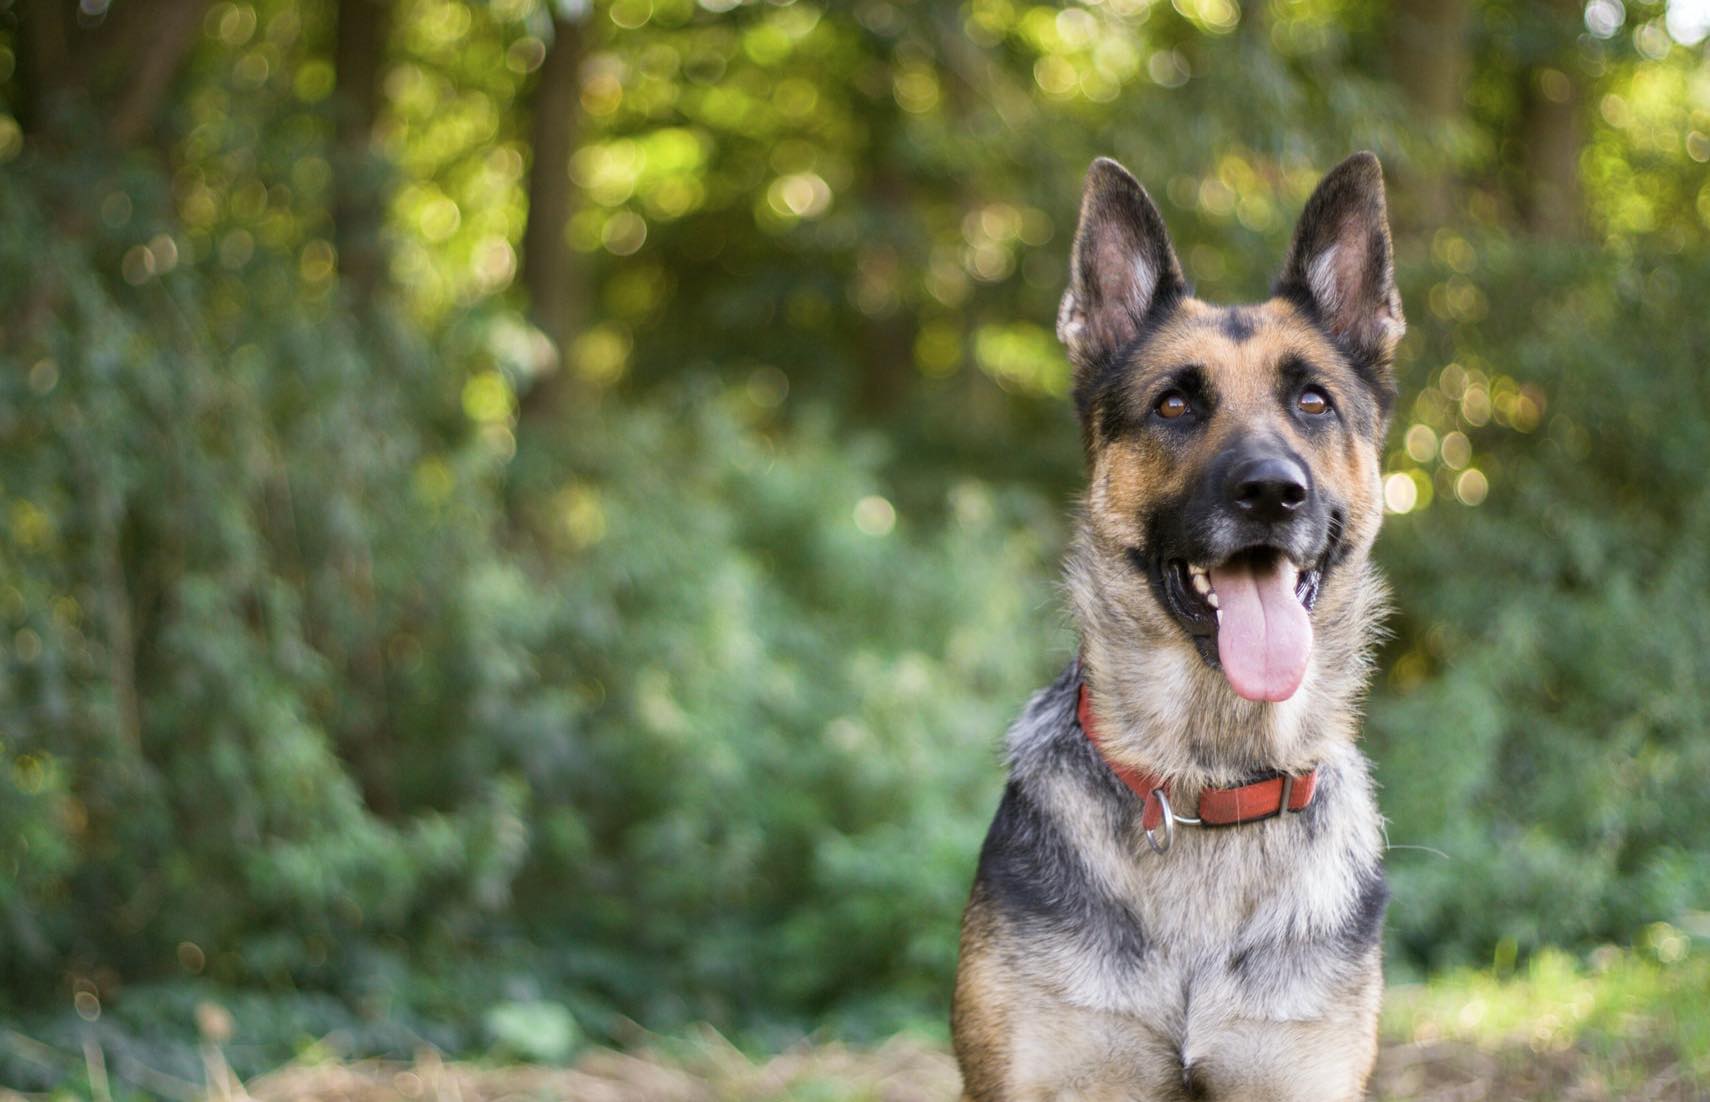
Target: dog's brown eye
(1171,405)
(1314,401)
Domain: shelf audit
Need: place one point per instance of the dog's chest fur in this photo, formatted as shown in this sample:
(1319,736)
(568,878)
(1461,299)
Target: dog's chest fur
(1130,974)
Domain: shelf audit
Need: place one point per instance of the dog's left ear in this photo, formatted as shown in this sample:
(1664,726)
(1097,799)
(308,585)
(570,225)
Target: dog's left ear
(1341,263)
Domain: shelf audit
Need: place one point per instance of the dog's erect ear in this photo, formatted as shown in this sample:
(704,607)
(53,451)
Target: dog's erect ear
(1341,264)
(1121,266)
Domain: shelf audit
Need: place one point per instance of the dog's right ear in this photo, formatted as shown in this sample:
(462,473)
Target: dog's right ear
(1121,267)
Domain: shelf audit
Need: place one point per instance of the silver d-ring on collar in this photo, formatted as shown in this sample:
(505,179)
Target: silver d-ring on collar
(1170,820)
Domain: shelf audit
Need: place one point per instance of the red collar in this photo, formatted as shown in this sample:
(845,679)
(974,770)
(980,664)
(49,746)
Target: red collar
(1217,806)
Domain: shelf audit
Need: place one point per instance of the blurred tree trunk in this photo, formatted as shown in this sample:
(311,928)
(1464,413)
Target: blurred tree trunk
(359,55)
(360,177)
(887,355)
(119,67)
(44,34)
(1551,134)
(1430,54)
(165,33)
(886,348)
(1545,164)
(550,275)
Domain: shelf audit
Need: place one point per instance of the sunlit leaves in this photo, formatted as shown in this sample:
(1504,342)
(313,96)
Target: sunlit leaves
(1024,356)
(662,169)
(453,125)
(1212,16)
(1644,166)
(1082,52)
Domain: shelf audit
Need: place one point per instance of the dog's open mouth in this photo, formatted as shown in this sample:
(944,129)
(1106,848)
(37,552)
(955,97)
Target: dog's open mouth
(1249,615)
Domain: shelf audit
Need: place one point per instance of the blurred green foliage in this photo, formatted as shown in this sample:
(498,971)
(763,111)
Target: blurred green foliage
(1551,668)
(349,682)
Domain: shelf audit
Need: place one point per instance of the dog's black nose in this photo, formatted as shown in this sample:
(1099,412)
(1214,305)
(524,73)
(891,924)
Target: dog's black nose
(1268,488)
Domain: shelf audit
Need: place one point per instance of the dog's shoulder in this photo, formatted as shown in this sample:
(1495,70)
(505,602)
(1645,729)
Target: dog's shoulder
(1046,746)
(1034,867)
(1045,721)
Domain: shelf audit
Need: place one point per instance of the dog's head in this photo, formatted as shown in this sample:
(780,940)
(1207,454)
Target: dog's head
(1233,452)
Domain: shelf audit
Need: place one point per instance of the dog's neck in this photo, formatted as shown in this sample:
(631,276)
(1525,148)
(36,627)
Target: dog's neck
(1167,712)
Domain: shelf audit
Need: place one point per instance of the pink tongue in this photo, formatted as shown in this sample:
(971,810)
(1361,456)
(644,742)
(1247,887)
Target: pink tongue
(1264,638)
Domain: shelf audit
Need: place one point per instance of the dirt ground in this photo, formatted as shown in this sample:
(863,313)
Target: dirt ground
(710,1070)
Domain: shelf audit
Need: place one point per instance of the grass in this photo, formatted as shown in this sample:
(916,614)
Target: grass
(1623,1025)
(1629,1025)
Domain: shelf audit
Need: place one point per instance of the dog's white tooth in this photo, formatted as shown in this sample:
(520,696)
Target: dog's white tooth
(1211,599)
(1196,570)
(1219,615)
(1201,584)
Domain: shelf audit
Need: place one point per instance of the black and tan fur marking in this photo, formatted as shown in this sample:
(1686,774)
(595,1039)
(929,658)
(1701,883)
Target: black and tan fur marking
(1244,963)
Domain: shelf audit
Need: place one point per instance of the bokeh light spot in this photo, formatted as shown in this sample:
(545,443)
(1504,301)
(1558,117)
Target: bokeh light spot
(631,14)
(11,138)
(1471,487)
(525,54)
(1400,492)
(137,266)
(583,516)
(799,195)
(1168,68)
(1688,21)
(487,398)
(624,233)
(317,261)
(1456,450)
(191,958)
(767,387)
(601,354)
(1604,17)
(1421,443)
(916,89)
(875,516)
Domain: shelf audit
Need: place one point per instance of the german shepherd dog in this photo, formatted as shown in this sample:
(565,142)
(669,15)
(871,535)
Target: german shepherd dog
(1182,893)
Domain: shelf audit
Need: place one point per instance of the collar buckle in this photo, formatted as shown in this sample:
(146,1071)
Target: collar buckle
(1167,823)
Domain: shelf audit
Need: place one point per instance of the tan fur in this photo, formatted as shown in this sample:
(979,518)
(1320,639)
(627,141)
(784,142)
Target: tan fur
(983,1003)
